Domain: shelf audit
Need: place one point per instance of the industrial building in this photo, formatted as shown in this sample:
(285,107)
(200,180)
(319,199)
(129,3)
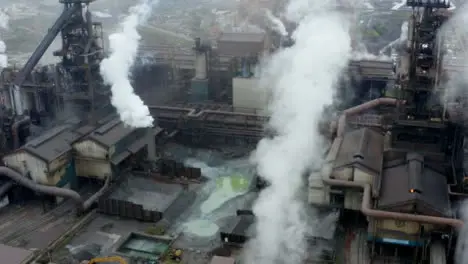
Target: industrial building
(393,173)
(47,159)
(100,152)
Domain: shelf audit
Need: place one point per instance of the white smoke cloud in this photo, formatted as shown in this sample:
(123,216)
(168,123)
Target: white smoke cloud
(115,69)
(278,25)
(455,34)
(302,79)
(4,21)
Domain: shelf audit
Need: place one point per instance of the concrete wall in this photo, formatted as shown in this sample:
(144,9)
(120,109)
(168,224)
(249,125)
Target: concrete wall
(91,159)
(247,94)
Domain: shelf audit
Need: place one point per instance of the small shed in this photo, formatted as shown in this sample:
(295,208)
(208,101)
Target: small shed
(46,159)
(104,149)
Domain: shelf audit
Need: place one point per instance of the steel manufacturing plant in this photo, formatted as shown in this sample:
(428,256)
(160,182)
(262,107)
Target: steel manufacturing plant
(80,185)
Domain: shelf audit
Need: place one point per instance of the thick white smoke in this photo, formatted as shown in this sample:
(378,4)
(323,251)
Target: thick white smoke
(455,35)
(4,21)
(115,69)
(302,79)
(278,25)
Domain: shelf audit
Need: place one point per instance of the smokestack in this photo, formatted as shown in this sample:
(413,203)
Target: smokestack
(151,147)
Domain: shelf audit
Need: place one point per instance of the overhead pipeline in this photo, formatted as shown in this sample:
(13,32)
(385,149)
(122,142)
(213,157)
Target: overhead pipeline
(341,127)
(367,209)
(55,191)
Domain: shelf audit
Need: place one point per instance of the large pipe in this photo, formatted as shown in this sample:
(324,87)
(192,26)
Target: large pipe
(341,127)
(50,190)
(367,210)
(5,188)
(15,130)
(91,200)
(55,191)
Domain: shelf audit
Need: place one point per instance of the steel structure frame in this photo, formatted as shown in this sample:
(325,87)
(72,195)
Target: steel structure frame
(200,124)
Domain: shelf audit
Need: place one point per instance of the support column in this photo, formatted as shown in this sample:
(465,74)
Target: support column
(151,147)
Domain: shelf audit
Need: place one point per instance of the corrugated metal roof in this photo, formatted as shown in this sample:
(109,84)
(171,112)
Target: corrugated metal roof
(53,144)
(362,147)
(111,132)
(13,255)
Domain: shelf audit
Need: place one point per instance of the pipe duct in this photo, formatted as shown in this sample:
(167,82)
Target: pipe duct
(82,206)
(367,210)
(341,127)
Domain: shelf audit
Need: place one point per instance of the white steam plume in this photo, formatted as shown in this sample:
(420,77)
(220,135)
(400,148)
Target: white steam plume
(302,78)
(278,25)
(115,69)
(4,20)
(455,36)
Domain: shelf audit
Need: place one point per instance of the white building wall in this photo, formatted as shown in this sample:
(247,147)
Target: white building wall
(23,162)
(248,95)
(91,160)
(90,149)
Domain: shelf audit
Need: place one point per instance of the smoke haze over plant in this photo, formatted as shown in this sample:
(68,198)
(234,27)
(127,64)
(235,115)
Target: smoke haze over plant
(302,80)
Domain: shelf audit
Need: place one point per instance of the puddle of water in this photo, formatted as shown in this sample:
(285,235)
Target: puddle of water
(201,228)
(227,188)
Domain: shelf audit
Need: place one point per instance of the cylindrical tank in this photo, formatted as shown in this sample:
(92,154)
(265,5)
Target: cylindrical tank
(200,66)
